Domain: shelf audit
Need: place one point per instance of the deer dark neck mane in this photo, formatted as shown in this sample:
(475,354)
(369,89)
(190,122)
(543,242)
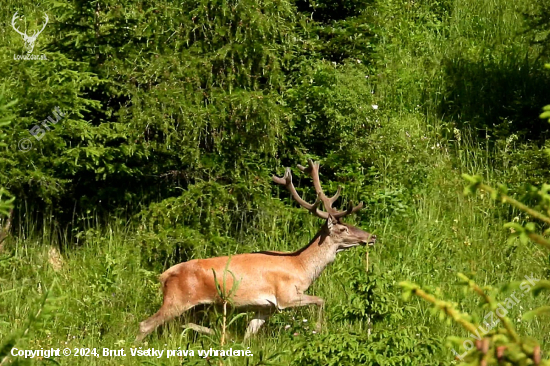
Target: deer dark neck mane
(314,257)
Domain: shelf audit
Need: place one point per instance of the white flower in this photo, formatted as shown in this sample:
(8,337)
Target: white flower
(287,326)
(374,106)
(305,320)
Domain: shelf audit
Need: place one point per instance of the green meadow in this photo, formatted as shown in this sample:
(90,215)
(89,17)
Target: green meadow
(176,116)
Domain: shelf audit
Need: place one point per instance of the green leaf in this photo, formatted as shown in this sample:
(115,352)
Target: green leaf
(530,315)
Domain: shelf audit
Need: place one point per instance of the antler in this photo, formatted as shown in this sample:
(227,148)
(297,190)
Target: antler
(313,171)
(15,17)
(286,181)
(47,19)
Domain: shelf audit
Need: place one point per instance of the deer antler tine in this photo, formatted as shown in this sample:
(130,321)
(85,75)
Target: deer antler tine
(307,169)
(286,181)
(351,209)
(313,171)
(316,204)
(335,197)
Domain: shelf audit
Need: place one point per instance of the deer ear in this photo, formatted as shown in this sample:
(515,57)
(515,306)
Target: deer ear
(331,221)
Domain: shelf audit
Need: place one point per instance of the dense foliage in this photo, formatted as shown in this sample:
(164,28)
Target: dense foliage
(149,134)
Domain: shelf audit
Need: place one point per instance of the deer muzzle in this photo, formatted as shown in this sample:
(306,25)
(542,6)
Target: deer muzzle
(370,241)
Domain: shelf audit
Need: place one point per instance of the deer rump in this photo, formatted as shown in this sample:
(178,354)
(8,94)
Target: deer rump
(248,281)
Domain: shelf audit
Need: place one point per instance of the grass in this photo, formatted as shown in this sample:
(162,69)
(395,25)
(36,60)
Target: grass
(102,288)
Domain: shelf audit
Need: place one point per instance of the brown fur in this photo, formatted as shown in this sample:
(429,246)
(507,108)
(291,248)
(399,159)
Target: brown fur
(266,280)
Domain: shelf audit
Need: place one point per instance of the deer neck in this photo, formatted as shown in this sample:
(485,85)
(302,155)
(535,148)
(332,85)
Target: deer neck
(316,256)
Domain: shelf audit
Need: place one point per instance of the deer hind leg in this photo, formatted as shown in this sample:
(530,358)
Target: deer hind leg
(255,324)
(174,304)
(165,314)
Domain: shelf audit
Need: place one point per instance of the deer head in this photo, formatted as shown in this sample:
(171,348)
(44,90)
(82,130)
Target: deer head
(343,236)
(29,40)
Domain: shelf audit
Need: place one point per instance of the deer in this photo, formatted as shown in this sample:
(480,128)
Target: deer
(267,281)
(29,40)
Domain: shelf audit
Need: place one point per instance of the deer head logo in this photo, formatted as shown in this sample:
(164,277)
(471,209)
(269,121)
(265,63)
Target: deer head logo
(29,40)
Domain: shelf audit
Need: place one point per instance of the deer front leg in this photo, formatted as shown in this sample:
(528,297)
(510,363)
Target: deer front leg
(199,328)
(304,300)
(255,324)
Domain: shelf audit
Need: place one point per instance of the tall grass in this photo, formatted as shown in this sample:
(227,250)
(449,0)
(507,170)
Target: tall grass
(107,290)
(435,75)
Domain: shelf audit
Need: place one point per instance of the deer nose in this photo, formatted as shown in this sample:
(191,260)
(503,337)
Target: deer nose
(372,239)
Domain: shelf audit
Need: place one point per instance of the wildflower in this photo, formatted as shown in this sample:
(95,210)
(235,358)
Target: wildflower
(374,106)
(305,320)
(457,134)
(287,326)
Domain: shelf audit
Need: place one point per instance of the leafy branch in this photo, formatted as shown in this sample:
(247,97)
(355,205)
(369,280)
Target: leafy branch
(492,346)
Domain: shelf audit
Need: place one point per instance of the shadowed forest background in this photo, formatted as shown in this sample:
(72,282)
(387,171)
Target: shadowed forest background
(178,114)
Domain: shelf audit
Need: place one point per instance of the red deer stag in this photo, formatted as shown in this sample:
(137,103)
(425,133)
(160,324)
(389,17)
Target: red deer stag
(269,280)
